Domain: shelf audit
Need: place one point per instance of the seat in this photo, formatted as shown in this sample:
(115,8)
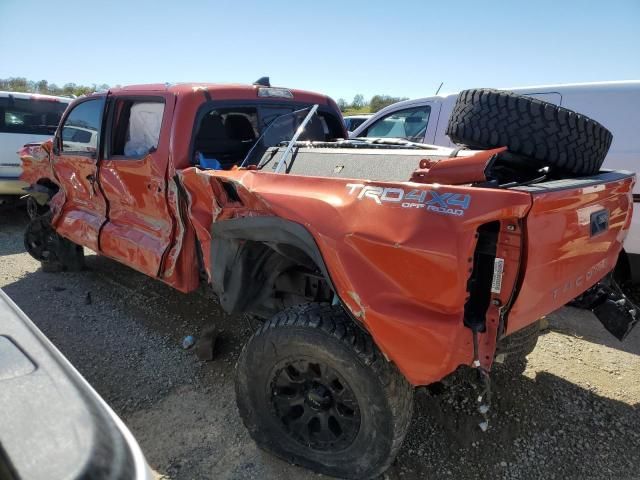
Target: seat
(213,142)
(211,133)
(238,127)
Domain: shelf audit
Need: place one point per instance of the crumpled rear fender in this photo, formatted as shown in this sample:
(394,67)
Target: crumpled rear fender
(401,269)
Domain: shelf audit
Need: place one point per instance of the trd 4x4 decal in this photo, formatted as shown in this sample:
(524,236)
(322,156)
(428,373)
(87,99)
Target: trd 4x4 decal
(431,200)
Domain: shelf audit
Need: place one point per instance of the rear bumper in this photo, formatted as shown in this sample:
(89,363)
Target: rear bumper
(611,306)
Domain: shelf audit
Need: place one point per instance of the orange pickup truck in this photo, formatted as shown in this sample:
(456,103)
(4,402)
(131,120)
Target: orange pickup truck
(377,265)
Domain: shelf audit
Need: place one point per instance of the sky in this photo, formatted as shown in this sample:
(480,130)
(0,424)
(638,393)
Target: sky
(340,48)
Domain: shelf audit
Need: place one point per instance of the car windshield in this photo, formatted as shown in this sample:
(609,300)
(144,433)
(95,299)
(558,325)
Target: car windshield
(281,130)
(410,124)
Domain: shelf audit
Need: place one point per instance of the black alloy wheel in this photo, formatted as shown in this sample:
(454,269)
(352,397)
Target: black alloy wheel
(313,388)
(315,405)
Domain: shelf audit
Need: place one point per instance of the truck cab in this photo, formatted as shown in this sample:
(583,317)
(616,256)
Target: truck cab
(115,155)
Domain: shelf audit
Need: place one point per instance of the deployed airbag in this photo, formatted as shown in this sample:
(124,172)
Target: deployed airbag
(144,128)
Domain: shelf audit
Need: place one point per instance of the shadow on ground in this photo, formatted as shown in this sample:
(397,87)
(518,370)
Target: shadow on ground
(123,331)
(541,427)
(13,222)
(584,325)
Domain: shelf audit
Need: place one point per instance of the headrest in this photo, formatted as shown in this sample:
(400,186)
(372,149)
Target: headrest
(239,127)
(212,127)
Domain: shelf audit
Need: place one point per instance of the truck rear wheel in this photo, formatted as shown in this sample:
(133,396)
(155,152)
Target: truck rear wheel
(548,135)
(313,389)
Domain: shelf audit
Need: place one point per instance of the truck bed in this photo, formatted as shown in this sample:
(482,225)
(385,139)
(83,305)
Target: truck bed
(386,163)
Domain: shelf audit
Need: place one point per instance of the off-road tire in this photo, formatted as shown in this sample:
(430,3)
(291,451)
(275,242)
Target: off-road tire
(517,346)
(55,253)
(548,135)
(324,334)
(34,209)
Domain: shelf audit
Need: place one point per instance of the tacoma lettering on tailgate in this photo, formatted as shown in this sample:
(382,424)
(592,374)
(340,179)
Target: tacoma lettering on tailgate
(575,283)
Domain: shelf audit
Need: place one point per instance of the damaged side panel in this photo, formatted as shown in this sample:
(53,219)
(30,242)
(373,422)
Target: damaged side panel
(396,255)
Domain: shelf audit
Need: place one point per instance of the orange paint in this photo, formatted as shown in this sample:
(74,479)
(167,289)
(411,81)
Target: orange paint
(402,272)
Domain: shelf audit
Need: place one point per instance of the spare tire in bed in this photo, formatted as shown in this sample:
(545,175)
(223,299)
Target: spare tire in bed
(565,141)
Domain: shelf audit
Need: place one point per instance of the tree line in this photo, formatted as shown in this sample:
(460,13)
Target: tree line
(359,104)
(21,84)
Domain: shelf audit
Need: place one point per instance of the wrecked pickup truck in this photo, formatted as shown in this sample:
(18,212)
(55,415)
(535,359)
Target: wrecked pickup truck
(377,266)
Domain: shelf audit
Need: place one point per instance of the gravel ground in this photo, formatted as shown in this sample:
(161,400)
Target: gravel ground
(573,414)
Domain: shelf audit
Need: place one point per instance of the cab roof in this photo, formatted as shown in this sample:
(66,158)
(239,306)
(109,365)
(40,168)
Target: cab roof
(218,90)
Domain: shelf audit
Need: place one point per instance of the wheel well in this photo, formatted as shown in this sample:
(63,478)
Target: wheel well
(47,186)
(265,264)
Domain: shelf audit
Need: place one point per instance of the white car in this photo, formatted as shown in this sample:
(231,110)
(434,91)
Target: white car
(79,139)
(24,118)
(616,105)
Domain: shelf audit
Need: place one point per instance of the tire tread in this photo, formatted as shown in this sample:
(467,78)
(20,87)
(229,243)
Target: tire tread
(334,322)
(569,142)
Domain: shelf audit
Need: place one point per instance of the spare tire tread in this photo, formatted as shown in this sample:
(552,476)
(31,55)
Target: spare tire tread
(567,141)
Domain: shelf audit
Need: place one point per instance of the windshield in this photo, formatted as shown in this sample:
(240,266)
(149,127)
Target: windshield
(32,116)
(281,129)
(410,124)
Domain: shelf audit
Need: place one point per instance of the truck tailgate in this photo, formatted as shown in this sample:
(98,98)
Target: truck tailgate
(573,235)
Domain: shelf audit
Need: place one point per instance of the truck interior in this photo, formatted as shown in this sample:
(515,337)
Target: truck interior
(225,135)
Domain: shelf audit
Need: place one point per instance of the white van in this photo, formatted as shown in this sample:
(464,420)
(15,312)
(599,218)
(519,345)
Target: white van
(616,105)
(24,118)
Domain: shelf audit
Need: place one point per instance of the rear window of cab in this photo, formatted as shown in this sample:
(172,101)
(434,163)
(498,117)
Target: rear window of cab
(225,132)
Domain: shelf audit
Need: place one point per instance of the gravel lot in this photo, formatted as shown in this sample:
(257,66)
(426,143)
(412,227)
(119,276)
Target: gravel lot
(574,414)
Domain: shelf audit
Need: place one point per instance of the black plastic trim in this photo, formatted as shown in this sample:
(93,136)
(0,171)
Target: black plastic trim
(479,283)
(605,176)
(265,230)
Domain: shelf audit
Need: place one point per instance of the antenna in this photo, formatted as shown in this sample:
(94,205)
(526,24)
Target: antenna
(441,83)
(263,82)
